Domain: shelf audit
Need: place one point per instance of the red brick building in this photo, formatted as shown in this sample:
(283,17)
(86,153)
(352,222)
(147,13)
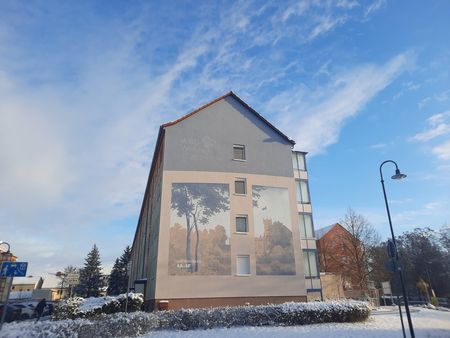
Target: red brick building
(340,252)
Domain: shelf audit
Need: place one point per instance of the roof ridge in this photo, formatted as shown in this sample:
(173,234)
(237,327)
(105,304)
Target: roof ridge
(242,102)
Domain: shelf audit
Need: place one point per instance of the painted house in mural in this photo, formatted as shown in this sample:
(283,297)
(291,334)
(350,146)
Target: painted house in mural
(226,217)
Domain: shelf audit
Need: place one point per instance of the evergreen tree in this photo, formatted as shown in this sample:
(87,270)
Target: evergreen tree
(90,276)
(118,279)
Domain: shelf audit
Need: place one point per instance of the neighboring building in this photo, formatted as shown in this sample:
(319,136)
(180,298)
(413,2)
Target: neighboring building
(338,253)
(23,287)
(51,289)
(226,217)
(29,283)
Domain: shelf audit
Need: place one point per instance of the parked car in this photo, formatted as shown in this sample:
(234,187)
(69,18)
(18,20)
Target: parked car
(12,313)
(27,310)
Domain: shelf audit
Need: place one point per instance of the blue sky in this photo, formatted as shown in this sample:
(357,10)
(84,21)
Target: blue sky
(84,86)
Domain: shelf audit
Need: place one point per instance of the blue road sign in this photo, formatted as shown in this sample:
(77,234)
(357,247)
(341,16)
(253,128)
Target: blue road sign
(13,269)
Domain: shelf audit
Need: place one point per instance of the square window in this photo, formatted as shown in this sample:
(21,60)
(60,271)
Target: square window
(238,152)
(241,224)
(243,265)
(240,187)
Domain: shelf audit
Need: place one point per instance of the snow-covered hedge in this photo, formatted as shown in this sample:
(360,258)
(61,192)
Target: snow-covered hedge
(286,314)
(91,307)
(138,323)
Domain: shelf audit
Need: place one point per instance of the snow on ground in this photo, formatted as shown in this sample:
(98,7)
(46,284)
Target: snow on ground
(383,324)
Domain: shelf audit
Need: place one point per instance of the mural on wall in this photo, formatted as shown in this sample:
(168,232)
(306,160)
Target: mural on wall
(200,229)
(273,234)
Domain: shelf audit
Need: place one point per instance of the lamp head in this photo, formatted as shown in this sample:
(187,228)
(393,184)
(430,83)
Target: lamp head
(398,175)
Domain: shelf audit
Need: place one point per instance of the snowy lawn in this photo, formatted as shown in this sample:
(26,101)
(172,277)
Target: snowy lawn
(386,324)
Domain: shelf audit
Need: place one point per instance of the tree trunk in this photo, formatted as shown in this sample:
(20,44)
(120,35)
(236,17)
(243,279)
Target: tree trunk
(196,243)
(188,244)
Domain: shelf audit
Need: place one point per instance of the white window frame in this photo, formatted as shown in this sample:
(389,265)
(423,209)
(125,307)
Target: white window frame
(244,151)
(249,268)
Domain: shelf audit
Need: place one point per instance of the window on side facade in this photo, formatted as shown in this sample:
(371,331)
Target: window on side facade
(239,152)
(302,191)
(241,223)
(310,263)
(243,265)
(298,161)
(306,225)
(240,186)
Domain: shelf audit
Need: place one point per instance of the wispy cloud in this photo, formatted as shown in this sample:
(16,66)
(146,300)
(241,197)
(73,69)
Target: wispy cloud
(320,113)
(326,24)
(438,124)
(375,6)
(378,146)
(79,114)
(348,4)
(442,151)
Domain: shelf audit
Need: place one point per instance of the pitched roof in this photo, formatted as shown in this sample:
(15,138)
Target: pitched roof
(237,98)
(323,231)
(26,280)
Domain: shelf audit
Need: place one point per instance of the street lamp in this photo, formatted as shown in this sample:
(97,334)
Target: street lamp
(397,176)
(7,244)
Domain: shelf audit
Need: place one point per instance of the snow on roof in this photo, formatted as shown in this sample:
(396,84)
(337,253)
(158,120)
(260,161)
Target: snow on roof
(51,281)
(26,280)
(322,231)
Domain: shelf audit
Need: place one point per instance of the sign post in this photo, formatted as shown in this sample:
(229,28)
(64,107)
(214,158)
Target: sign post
(10,270)
(72,279)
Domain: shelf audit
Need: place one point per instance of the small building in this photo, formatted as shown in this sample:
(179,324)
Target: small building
(339,253)
(23,287)
(226,217)
(51,289)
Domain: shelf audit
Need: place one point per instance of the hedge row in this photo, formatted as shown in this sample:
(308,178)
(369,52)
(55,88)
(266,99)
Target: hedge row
(138,323)
(77,307)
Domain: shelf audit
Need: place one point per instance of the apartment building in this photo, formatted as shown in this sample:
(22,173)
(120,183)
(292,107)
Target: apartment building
(226,217)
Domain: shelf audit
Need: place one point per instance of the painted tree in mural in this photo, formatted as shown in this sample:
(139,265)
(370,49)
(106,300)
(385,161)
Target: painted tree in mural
(196,203)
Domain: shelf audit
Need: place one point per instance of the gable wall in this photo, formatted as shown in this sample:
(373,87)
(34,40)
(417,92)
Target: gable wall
(204,142)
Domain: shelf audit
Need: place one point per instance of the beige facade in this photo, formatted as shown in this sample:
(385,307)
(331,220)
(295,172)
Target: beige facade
(227,234)
(169,287)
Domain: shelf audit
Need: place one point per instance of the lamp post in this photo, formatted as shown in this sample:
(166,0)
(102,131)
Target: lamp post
(397,176)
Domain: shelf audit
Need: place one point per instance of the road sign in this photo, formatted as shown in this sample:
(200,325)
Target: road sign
(391,249)
(72,278)
(14,269)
